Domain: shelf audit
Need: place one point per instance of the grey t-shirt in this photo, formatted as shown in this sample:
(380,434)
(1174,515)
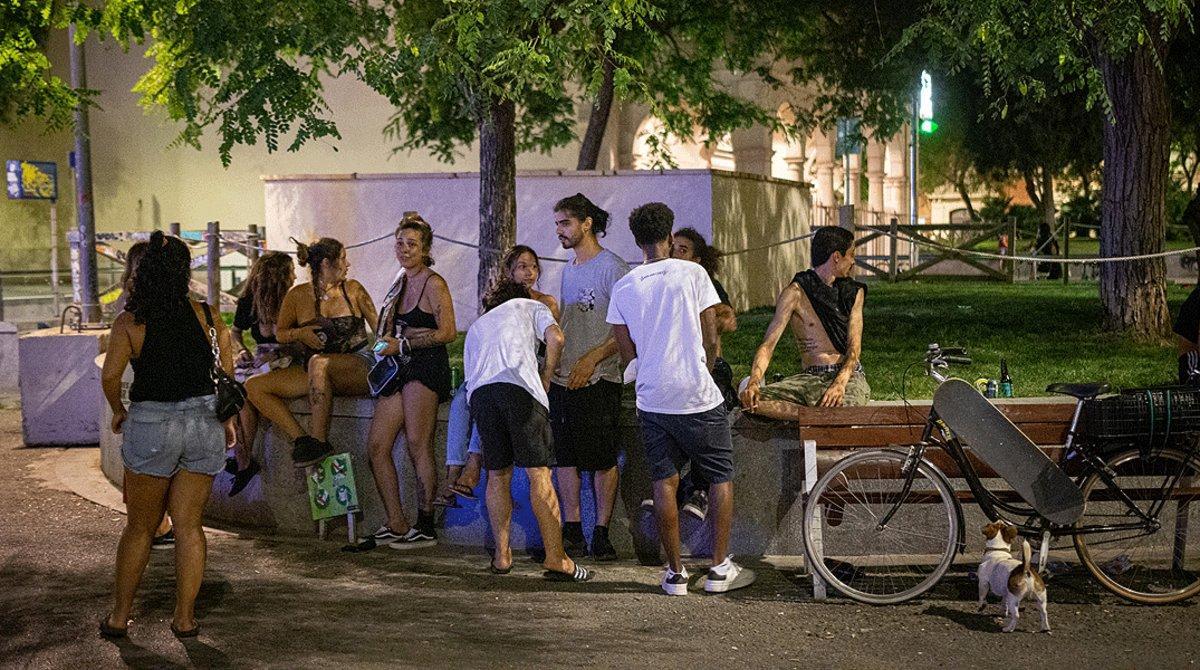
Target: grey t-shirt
(586,290)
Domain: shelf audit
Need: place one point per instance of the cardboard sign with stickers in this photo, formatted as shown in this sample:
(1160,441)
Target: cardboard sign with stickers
(331,490)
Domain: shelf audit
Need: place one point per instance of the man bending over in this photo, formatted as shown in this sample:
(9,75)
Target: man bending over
(825,310)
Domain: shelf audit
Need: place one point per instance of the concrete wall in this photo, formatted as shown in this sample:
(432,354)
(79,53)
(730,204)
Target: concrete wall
(744,211)
(749,212)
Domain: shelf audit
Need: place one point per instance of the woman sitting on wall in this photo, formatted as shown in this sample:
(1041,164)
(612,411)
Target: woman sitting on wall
(257,311)
(416,323)
(463,460)
(326,317)
(173,443)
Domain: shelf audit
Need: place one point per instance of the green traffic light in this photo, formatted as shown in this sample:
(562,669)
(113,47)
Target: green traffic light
(928,126)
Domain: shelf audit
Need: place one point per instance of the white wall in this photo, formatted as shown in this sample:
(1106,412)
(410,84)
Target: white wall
(353,208)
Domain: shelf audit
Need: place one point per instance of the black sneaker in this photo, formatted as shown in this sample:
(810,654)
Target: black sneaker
(574,545)
(242,477)
(385,535)
(308,450)
(164,541)
(231,465)
(415,538)
(697,504)
(602,549)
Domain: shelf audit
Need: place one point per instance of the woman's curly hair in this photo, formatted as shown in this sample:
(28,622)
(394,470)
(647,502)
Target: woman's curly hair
(708,255)
(503,291)
(270,278)
(160,281)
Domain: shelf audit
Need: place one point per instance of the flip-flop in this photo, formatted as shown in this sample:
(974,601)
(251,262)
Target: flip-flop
(448,500)
(181,634)
(499,571)
(581,574)
(462,491)
(111,632)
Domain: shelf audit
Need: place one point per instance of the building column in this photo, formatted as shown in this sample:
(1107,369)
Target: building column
(752,150)
(854,197)
(824,164)
(895,192)
(875,175)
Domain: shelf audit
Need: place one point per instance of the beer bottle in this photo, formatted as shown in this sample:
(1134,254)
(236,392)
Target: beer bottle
(1006,386)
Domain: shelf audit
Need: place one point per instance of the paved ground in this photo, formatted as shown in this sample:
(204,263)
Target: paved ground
(290,603)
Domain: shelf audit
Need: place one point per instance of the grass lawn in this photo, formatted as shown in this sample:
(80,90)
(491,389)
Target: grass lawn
(1047,331)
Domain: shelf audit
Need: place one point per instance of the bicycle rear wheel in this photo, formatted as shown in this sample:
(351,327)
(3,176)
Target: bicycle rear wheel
(845,545)
(1154,564)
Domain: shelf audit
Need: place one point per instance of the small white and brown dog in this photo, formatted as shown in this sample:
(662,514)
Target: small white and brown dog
(1011,579)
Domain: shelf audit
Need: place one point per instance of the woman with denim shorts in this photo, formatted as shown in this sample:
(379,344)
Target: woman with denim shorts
(173,443)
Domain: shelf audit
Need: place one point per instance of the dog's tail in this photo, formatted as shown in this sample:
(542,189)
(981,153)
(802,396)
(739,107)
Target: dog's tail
(1026,557)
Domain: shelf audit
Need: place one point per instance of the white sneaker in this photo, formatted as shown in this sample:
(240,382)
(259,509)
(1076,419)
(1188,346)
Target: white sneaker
(728,576)
(674,583)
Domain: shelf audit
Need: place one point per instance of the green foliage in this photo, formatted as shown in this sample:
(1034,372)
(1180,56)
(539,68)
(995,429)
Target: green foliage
(1040,48)
(28,88)
(251,69)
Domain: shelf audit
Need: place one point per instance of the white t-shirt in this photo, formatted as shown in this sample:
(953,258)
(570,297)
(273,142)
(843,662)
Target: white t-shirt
(501,346)
(660,303)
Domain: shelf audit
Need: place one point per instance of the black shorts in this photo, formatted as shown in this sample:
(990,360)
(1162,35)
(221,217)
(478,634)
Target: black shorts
(513,427)
(703,438)
(586,425)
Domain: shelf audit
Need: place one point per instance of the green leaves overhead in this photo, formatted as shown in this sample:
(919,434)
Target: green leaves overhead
(28,87)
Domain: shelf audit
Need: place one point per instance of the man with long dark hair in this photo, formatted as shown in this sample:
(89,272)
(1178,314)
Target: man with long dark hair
(585,396)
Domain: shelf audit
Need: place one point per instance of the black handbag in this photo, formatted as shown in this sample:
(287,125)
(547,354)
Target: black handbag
(231,394)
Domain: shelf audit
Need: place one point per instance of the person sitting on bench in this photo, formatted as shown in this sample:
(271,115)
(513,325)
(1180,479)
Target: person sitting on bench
(825,309)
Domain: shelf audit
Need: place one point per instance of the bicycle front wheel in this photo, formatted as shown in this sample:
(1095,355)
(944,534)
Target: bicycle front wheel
(848,547)
(1155,562)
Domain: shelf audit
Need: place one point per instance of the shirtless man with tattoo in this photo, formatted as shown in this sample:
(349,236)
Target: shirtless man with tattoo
(824,308)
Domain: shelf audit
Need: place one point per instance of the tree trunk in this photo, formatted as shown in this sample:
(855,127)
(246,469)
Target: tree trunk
(963,192)
(1133,207)
(593,138)
(497,189)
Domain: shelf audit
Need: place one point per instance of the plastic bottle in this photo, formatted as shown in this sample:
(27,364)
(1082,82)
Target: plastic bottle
(1006,385)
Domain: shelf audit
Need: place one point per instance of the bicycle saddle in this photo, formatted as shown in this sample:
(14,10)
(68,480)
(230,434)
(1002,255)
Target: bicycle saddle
(1080,391)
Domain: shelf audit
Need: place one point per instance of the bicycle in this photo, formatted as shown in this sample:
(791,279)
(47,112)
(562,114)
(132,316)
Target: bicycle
(884,526)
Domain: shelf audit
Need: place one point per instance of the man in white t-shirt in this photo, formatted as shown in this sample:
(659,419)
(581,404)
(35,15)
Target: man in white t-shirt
(663,315)
(507,397)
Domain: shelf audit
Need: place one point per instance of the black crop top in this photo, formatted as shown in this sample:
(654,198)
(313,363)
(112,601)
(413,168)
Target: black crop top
(247,319)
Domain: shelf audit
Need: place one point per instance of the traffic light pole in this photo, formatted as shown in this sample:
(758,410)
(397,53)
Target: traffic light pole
(914,151)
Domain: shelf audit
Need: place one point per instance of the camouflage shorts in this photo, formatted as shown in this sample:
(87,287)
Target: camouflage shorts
(808,389)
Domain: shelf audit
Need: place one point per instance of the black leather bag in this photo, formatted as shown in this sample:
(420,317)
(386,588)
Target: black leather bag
(231,394)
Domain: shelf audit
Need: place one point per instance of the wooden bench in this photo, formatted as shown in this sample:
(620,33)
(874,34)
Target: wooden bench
(830,434)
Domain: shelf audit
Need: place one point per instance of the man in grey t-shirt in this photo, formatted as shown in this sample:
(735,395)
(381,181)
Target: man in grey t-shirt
(585,393)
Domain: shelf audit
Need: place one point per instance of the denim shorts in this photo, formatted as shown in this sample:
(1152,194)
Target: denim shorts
(162,438)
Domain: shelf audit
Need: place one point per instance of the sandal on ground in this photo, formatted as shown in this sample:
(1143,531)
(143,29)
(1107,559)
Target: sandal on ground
(462,491)
(448,500)
(492,568)
(242,478)
(581,574)
(112,632)
(181,634)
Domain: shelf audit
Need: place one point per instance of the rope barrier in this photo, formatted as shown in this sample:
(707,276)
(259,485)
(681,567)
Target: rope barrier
(1031,259)
(498,252)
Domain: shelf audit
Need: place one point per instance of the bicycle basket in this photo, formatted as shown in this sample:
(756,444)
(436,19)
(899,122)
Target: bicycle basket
(1147,415)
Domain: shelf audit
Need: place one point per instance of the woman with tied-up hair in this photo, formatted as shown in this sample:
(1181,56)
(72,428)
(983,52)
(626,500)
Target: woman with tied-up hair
(327,320)
(416,323)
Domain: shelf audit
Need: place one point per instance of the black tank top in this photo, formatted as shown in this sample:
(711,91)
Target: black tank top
(415,317)
(175,360)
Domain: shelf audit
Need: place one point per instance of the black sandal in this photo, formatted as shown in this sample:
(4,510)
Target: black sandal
(492,568)
(181,634)
(111,632)
(581,574)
